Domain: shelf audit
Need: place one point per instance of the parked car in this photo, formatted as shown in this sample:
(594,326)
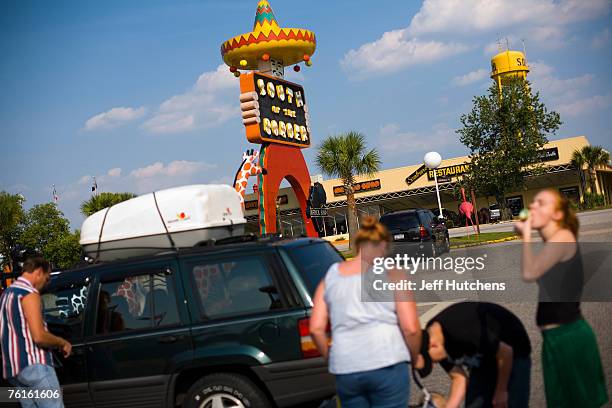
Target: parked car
(221,325)
(451,219)
(495,213)
(417,229)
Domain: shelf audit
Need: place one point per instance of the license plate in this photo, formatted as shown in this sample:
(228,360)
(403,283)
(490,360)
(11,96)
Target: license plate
(398,236)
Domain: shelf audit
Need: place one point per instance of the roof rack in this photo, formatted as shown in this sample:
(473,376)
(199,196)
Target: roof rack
(250,237)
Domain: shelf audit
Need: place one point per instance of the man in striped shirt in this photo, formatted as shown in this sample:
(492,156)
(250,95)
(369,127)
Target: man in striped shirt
(26,344)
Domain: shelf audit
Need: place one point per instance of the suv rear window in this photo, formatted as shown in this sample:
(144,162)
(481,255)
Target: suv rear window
(313,261)
(400,221)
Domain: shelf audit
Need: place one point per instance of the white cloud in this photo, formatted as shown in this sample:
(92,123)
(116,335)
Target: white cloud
(113,118)
(543,22)
(465,16)
(394,141)
(395,51)
(145,179)
(601,39)
(173,169)
(568,96)
(115,172)
(210,102)
(586,105)
(542,77)
(471,77)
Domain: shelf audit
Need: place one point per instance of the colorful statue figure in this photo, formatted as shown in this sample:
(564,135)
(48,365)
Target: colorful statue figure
(274,111)
(466,208)
(249,167)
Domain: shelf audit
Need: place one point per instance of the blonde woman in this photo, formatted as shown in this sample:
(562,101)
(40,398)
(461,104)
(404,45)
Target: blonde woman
(573,375)
(372,341)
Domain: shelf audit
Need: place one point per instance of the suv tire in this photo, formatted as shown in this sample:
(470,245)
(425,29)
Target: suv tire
(446,244)
(233,390)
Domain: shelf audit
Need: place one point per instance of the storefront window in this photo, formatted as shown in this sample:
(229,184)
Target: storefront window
(571,193)
(515,204)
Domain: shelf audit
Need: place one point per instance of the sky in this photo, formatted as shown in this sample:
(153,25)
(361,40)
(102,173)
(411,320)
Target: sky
(136,94)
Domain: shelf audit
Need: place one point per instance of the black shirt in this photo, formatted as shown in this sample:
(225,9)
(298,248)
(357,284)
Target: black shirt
(560,292)
(472,332)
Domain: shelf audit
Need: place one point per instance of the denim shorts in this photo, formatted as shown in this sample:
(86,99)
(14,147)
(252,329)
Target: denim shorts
(387,387)
(38,377)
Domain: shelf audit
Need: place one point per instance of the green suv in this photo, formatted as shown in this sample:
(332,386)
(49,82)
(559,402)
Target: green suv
(215,326)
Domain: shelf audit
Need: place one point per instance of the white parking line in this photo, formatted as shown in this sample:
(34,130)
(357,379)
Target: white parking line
(439,306)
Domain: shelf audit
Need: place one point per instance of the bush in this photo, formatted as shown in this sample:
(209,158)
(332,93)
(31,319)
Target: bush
(592,200)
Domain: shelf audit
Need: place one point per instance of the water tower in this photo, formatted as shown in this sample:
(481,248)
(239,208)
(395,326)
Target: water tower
(508,65)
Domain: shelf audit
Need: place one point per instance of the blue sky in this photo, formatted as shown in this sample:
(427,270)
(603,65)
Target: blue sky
(135,92)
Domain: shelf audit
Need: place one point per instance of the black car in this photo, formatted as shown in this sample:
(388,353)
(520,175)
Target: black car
(222,325)
(417,230)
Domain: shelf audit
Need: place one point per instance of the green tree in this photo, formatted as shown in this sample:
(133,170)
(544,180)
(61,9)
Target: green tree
(103,200)
(65,251)
(344,156)
(505,134)
(11,215)
(42,224)
(591,157)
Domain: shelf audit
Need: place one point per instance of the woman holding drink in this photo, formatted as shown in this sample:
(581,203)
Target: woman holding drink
(573,375)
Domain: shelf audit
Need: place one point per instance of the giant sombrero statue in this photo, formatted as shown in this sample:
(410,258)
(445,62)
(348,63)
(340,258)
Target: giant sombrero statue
(268,42)
(274,111)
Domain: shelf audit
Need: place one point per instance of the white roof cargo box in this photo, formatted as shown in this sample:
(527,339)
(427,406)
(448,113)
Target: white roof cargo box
(140,226)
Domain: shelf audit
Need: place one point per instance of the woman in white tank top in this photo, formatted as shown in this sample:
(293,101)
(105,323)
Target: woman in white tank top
(372,341)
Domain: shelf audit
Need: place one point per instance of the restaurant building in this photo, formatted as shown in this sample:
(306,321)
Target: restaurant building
(413,186)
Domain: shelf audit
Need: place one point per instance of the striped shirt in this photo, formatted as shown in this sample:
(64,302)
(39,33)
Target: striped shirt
(18,347)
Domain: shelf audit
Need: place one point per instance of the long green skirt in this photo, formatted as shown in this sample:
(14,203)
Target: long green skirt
(573,376)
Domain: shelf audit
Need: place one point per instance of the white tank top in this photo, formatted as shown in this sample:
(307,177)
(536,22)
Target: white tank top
(365,335)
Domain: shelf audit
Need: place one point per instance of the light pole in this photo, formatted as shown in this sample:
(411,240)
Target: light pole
(432,160)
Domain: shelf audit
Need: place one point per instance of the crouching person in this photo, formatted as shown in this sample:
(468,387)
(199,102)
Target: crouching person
(27,362)
(486,352)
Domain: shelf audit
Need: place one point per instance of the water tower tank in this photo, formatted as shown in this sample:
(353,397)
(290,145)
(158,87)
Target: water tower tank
(508,65)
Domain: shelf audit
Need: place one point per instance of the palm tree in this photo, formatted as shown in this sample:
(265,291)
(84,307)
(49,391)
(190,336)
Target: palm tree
(344,156)
(103,200)
(591,157)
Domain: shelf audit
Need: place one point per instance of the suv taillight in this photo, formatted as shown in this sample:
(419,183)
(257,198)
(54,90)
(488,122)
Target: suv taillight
(309,350)
(423,232)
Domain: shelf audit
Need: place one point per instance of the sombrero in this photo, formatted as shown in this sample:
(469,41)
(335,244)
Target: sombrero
(268,41)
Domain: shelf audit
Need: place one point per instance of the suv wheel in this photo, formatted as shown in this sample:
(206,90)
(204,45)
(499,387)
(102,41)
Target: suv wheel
(225,390)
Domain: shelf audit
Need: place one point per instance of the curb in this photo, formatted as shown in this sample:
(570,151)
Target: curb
(493,241)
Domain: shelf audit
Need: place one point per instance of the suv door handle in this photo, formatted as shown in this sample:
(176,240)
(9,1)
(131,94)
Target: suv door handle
(167,339)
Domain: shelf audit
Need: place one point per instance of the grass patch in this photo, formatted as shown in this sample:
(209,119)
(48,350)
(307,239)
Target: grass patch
(605,207)
(347,254)
(481,238)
